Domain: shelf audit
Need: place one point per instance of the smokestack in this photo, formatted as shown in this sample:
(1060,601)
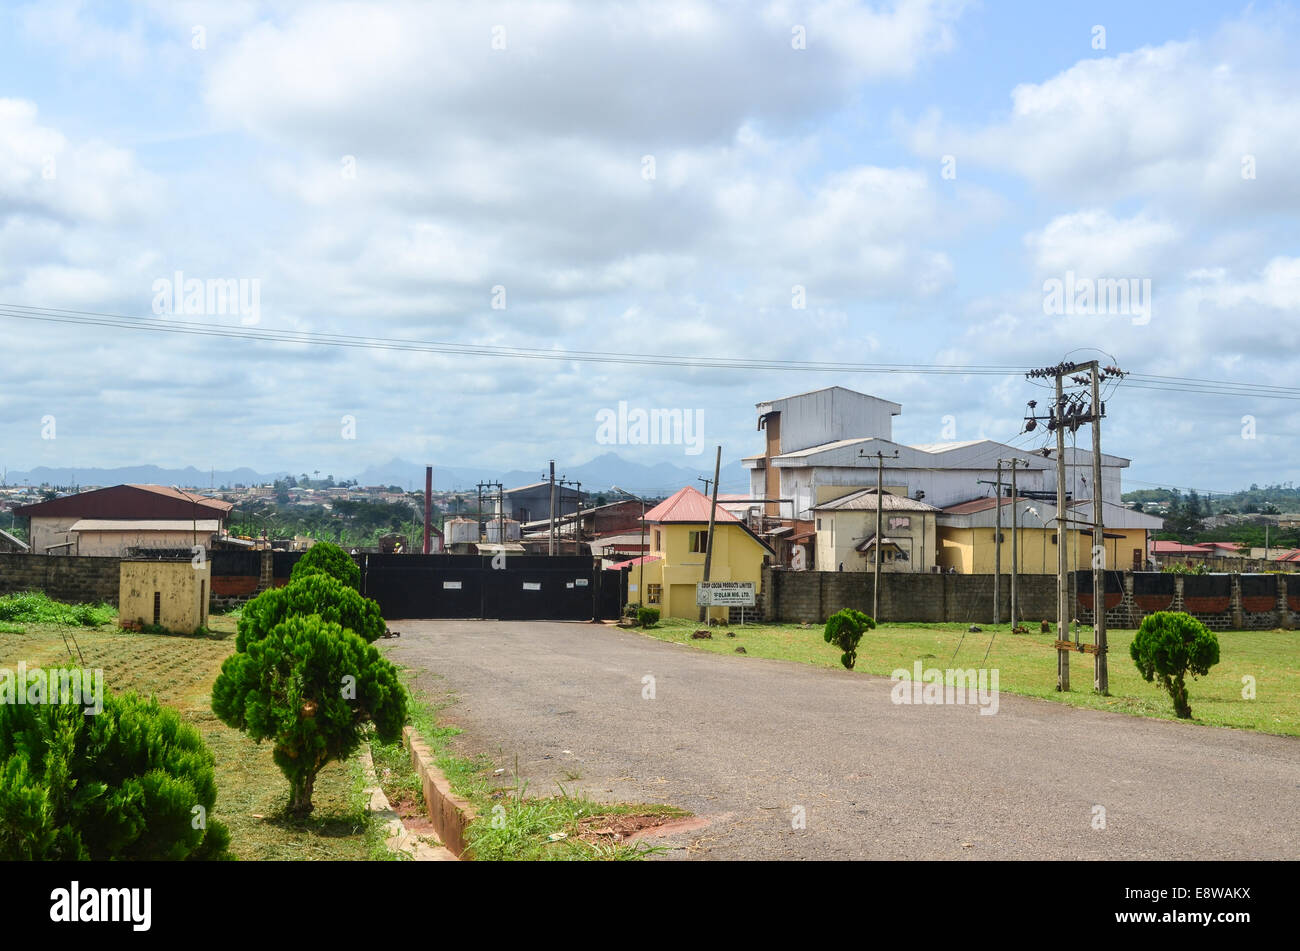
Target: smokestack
(428,506)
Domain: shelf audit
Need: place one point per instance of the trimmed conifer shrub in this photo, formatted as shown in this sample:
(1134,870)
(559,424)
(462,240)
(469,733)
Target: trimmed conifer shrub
(310,688)
(330,559)
(314,592)
(1169,645)
(131,782)
(844,629)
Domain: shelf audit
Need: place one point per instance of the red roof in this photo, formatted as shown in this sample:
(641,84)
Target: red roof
(687,505)
(644,559)
(129,501)
(1293,555)
(1178,548)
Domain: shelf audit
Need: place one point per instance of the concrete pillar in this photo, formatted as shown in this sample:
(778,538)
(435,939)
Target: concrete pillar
(266,575)
(1234,604)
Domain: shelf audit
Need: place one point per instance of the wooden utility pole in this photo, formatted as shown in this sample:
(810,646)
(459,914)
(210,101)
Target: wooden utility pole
(1015,539)
(1101,678)
(708,541)
(1062,588)
(997,551)
(1015,533)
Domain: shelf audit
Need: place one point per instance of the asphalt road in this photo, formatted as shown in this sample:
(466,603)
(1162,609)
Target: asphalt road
(751,745)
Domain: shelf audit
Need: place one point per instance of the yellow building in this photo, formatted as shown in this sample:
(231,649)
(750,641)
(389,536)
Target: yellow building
(677,538)
(967,536)
(171,594)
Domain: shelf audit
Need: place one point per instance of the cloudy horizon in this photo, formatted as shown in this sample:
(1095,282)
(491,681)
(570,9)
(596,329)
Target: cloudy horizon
(824,181)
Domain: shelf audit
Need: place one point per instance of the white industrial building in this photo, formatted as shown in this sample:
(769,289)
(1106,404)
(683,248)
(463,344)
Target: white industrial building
(821,445)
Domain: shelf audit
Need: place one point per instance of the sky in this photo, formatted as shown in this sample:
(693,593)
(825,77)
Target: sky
(825,181)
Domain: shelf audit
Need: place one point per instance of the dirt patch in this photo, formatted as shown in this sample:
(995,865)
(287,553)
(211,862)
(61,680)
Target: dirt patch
(411,811)
(620,827)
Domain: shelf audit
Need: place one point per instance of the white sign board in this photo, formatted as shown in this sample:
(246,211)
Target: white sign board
(725,593)
(532,586)
(451,586)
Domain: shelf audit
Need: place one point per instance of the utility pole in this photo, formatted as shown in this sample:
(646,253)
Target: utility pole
(997,551)
(1068,411)
(1015,539)
(1101,673)
(1062,605)
(550,538)
(1015,531)
(708,543)
(880,523)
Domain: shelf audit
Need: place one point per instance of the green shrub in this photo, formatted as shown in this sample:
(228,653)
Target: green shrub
(331,560)
(1169,645)
(312,593)
(647,617)
(36,607)
(631,608)
(309,687)
(844,629)
(120,784)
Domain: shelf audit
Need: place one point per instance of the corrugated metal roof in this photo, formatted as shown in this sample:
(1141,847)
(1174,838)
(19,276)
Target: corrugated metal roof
(865,499)
(979,505)
(128,501)
(145,525)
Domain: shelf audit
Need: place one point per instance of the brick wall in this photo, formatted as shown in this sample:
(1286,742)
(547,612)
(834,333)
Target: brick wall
(72,578)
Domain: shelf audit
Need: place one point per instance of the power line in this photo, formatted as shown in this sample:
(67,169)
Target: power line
(351,341)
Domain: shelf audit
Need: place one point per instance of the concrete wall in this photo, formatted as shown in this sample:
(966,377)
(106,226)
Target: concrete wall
(813,596)
(65,578)
(179,589)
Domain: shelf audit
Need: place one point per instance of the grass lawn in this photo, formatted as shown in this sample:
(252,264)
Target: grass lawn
(1026,665)
(251,791)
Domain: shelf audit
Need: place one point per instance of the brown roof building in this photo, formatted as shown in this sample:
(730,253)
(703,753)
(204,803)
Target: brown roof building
(123,517)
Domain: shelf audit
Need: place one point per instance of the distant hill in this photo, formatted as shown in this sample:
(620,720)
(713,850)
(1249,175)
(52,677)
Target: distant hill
(152,475)
(596,475)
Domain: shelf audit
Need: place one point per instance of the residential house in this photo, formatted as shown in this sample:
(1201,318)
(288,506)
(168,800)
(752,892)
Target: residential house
(678,538)
(845,529)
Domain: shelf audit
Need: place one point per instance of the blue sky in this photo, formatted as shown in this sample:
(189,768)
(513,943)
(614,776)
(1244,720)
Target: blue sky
(523,167)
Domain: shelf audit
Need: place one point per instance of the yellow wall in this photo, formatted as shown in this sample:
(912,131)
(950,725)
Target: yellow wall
(972,550)
(736,557)
(183,593)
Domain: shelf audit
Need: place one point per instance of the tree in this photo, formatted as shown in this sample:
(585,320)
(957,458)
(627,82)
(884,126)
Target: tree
(131,782)
(1170,645)
(311,593)
(331,560)
(844,629)
(311,688)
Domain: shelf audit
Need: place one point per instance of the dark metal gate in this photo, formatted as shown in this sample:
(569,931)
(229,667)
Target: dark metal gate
(527,587)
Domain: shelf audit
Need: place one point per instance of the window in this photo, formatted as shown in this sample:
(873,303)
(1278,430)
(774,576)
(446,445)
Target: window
(652,593)
(819,525)
(654,541)
(699,542)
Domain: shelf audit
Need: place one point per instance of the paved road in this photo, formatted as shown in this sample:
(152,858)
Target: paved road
(743,741)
